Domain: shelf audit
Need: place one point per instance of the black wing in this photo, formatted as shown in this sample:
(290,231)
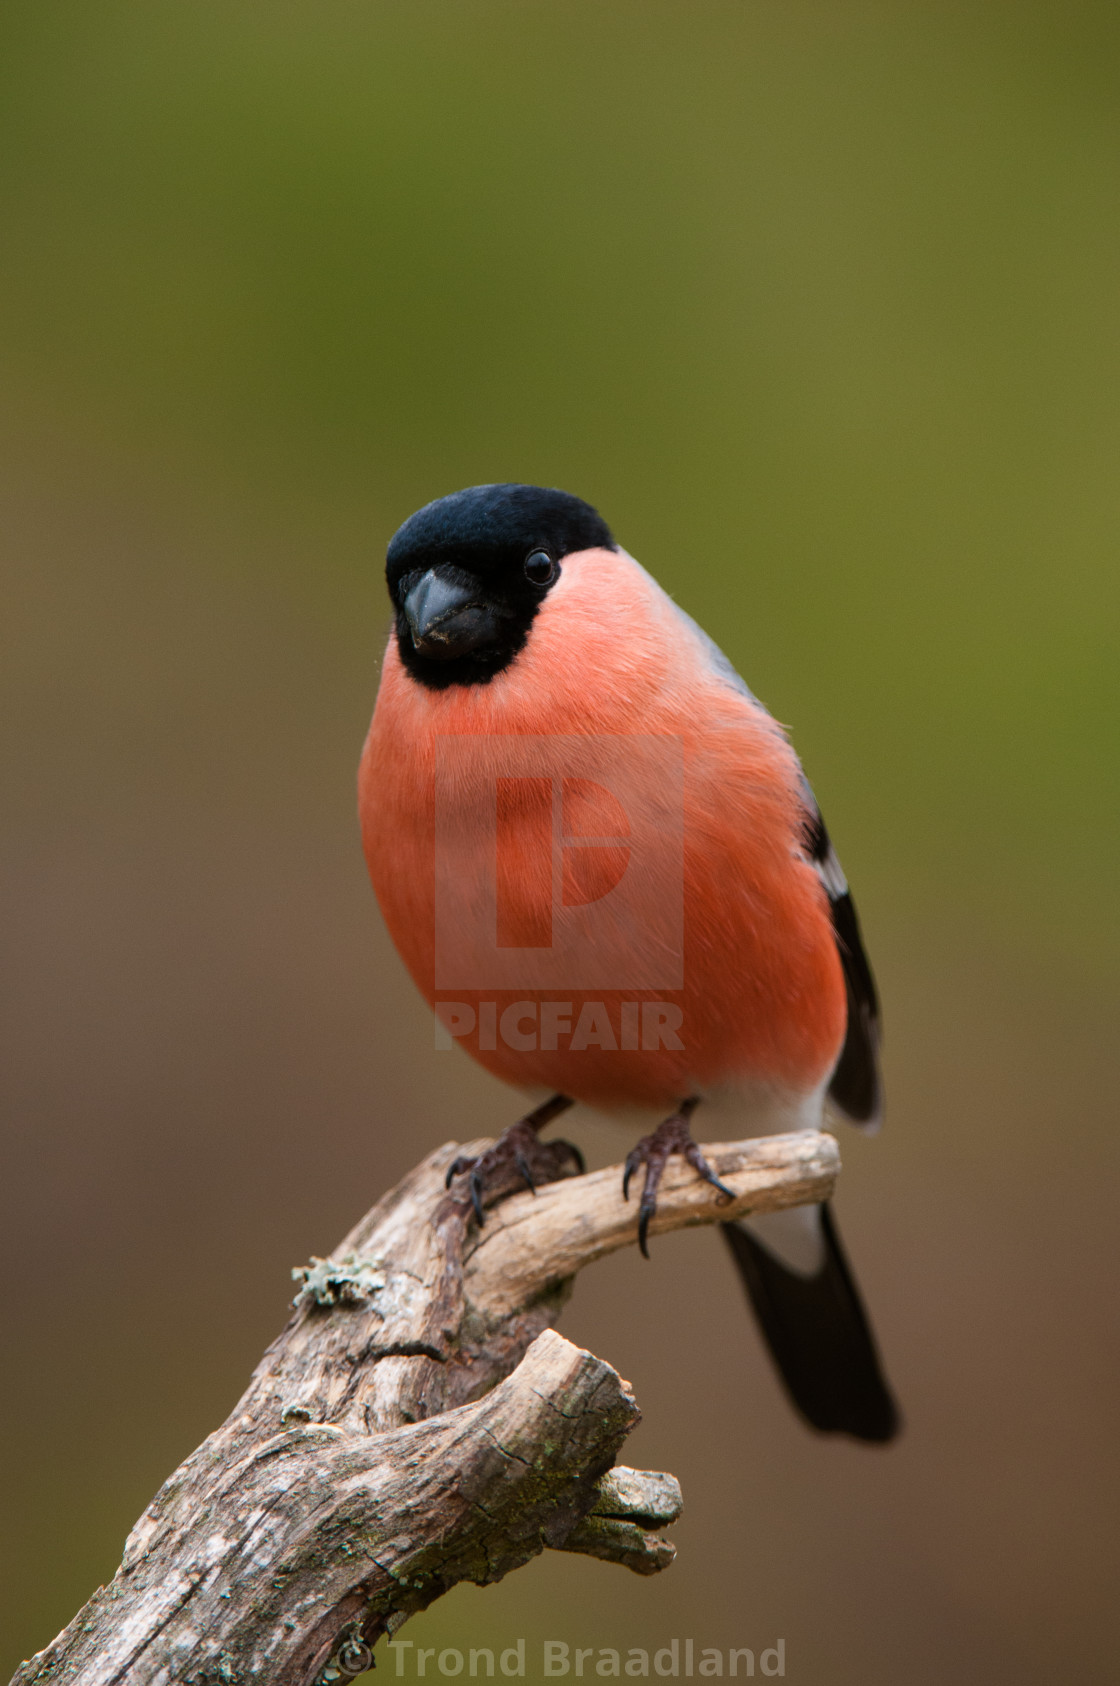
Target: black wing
(855,1086)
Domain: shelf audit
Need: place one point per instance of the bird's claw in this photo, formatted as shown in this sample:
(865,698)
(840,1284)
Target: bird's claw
(456,1169)
(518,1157)
(654,1152)
(522,1164)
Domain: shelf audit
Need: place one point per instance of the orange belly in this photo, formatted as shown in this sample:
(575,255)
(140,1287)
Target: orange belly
(756,993)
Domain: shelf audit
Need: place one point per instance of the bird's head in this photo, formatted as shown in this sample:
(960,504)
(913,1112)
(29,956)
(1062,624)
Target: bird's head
(468,573)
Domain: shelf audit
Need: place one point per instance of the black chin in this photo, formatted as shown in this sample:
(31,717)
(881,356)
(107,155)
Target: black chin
(483,653)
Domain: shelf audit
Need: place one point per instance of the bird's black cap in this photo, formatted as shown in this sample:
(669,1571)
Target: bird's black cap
(486,526)
(477,543)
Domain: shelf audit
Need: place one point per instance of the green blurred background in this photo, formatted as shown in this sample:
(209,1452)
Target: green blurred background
(820,303)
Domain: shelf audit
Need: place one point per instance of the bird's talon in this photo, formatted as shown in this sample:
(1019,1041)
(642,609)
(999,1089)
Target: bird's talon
(522,1164)
(713,1181)
(654,1152)
(517,1157)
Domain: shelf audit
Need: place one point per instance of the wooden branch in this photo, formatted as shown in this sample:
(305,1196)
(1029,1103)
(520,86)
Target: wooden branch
(417,1423)
(531,1240)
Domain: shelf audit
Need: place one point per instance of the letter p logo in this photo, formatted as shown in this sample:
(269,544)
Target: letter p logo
(591,835)
(559,862)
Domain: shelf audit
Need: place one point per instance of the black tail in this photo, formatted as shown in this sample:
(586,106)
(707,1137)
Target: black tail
(819,1336)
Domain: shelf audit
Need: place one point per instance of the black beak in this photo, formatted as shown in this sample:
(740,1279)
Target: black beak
(447,615)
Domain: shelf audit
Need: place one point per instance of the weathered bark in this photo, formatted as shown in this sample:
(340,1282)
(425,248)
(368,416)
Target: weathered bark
(417,1423)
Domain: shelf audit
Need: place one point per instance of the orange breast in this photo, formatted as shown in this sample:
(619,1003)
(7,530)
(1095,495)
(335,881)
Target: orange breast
(500,819)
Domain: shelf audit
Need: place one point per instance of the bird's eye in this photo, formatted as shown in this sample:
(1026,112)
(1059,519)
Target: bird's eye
(540,568)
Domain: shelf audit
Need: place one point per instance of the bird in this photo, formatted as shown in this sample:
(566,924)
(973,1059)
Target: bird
(601,862)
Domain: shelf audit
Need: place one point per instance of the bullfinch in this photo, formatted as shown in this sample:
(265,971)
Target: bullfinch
(602,864)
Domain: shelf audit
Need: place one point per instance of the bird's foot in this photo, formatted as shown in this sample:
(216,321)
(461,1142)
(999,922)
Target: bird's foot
(654,1152)
(518,1159)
